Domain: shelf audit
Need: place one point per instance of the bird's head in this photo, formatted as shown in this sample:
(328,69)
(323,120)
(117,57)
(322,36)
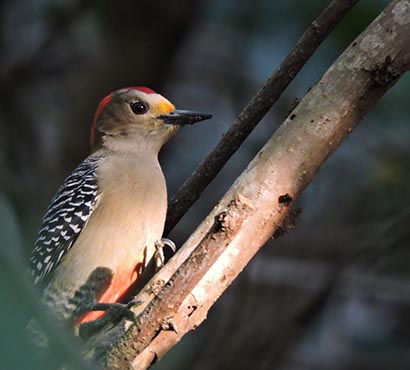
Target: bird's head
(138,116)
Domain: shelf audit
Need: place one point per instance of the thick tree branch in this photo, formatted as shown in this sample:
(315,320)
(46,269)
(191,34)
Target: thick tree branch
(180,295)
(260,104)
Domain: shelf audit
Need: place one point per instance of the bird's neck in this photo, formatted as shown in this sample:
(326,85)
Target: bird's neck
(134,145)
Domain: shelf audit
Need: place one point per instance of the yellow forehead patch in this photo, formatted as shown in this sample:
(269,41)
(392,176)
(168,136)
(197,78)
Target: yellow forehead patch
(163,107)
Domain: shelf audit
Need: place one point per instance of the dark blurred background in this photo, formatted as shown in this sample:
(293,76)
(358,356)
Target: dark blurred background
(333,294)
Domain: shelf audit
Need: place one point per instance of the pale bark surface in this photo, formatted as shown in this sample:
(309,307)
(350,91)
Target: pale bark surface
(178,298)
(259,105)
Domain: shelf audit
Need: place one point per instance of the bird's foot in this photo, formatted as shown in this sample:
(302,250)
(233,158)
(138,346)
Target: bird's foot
(159,251)
(113,311)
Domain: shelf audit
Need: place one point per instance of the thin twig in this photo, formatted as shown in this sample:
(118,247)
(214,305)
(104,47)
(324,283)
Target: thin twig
(249,213)
(260,104)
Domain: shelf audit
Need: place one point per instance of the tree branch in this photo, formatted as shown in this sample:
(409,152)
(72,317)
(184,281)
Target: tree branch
(178,298)
(260,104)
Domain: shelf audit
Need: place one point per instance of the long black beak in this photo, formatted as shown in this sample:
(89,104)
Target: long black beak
(184,117)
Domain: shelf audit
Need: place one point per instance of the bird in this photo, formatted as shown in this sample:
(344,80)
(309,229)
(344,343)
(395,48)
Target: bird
(105,222)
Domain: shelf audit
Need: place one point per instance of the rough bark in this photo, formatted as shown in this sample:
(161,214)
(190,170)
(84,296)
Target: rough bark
(178,298)
(260,104)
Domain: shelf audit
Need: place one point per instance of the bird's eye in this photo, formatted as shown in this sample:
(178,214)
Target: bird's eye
(139,108)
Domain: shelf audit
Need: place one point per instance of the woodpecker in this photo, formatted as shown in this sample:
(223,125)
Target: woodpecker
(101,228)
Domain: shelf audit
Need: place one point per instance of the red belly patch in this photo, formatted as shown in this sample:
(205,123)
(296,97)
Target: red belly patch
(120,284)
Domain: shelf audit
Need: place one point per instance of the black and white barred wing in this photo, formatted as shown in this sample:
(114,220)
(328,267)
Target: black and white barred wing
(66,216)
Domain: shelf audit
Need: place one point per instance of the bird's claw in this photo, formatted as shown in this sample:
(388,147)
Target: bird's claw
(134,303)
(113,311)
(159,251)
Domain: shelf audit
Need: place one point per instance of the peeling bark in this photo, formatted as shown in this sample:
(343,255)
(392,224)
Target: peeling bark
(178,298)
(260,104)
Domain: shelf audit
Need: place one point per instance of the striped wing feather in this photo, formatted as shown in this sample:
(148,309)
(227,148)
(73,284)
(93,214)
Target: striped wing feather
(66,216)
